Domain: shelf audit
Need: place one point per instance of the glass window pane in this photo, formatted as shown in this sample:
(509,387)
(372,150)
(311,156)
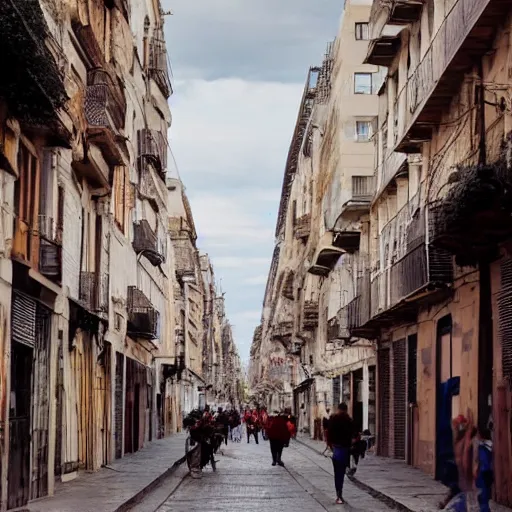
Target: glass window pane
(363,83)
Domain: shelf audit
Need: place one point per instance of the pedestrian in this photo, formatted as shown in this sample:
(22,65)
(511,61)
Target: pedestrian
(484,476)
(325,426)
(278,436)
(252,429)
(340,435)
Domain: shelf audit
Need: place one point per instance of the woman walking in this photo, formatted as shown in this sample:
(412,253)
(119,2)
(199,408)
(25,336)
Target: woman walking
(278,436)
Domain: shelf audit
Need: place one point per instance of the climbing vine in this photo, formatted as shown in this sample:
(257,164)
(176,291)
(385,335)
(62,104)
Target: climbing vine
(30,81)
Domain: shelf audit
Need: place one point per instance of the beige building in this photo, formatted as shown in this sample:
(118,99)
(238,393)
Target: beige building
(304,353)
(101,311)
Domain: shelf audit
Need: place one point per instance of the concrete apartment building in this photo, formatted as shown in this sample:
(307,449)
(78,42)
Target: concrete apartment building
(101,317)
(422,265)
(301,355)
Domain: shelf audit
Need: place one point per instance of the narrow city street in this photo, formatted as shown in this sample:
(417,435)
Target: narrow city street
(245,480)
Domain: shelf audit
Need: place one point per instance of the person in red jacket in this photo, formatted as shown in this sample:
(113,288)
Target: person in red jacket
(278,436)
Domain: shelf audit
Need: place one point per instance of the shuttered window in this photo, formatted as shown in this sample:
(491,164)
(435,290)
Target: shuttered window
(123,197)
(23,319)
(505,318)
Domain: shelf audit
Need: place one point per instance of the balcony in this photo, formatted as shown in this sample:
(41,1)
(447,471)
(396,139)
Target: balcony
(422,271)
(465,34)
(393,166)
(143,319)
(50,247)
(152,145)
(361,195)
(94,292)
(382,51)
(282,330)
(325,257)
(184,260)
(358,314)
(475,215)
(288,283)
(337,327)
(302,227)
(393,12)
(310,315)
(105,112)
(158,67)
(146,241)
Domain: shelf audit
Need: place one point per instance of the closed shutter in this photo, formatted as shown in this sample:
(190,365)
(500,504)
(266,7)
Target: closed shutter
(23,319)
(505,319)
(118,414)
(336,391)
(399,398)
(384,405)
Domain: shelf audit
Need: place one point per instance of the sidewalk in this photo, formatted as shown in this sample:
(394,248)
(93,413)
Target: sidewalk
(113,488)
(408,488)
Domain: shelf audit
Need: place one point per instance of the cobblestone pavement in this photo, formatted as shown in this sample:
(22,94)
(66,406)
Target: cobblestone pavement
(109,488)
(408,486)
(245,480)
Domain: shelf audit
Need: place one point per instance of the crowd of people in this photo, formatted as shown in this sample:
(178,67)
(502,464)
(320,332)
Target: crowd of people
(469,468)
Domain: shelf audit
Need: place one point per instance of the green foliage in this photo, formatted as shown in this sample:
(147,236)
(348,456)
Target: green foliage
(30,81)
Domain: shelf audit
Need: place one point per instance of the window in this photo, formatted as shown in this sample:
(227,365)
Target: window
(26,202)
(362,31)
(363,131)
(363,83)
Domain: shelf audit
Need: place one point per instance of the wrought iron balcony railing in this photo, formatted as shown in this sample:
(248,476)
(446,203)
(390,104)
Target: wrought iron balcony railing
(452,38)
(50,247)
(146,241)
(93,292)
(105,106)
(158,66)
(143,318)
(359,308)
(152,145)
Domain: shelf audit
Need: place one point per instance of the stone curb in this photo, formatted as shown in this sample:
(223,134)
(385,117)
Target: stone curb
(128,504)
(384,498)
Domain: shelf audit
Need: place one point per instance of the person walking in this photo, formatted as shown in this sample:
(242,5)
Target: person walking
(252,429)
(340,434)
(278,436)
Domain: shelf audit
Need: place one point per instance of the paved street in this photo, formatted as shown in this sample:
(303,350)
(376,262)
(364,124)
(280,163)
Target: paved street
(245,480)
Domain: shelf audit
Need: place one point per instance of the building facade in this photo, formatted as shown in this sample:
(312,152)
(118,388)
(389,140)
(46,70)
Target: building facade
(304,354)
(101,319)
(416,264)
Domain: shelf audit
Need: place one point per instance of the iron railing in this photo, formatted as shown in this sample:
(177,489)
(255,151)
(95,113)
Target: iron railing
(359,307)
(158,67)
(143,318)
(146,241)
(105,105)
(93,291)
(50,247)
(455,28)
(152,145)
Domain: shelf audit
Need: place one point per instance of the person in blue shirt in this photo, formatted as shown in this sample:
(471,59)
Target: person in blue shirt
(484,475)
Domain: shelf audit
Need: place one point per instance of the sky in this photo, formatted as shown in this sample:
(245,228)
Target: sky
(239,67)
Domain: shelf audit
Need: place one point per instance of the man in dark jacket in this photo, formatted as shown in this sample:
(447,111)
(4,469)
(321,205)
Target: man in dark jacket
(340,433)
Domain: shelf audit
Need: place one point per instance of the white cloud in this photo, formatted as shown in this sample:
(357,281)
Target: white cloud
(231,132)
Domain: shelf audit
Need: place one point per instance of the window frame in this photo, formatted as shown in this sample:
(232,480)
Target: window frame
(360,74)
(360,28)
(369,134)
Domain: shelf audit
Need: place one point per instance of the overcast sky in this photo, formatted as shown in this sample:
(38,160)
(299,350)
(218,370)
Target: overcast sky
(239,68)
